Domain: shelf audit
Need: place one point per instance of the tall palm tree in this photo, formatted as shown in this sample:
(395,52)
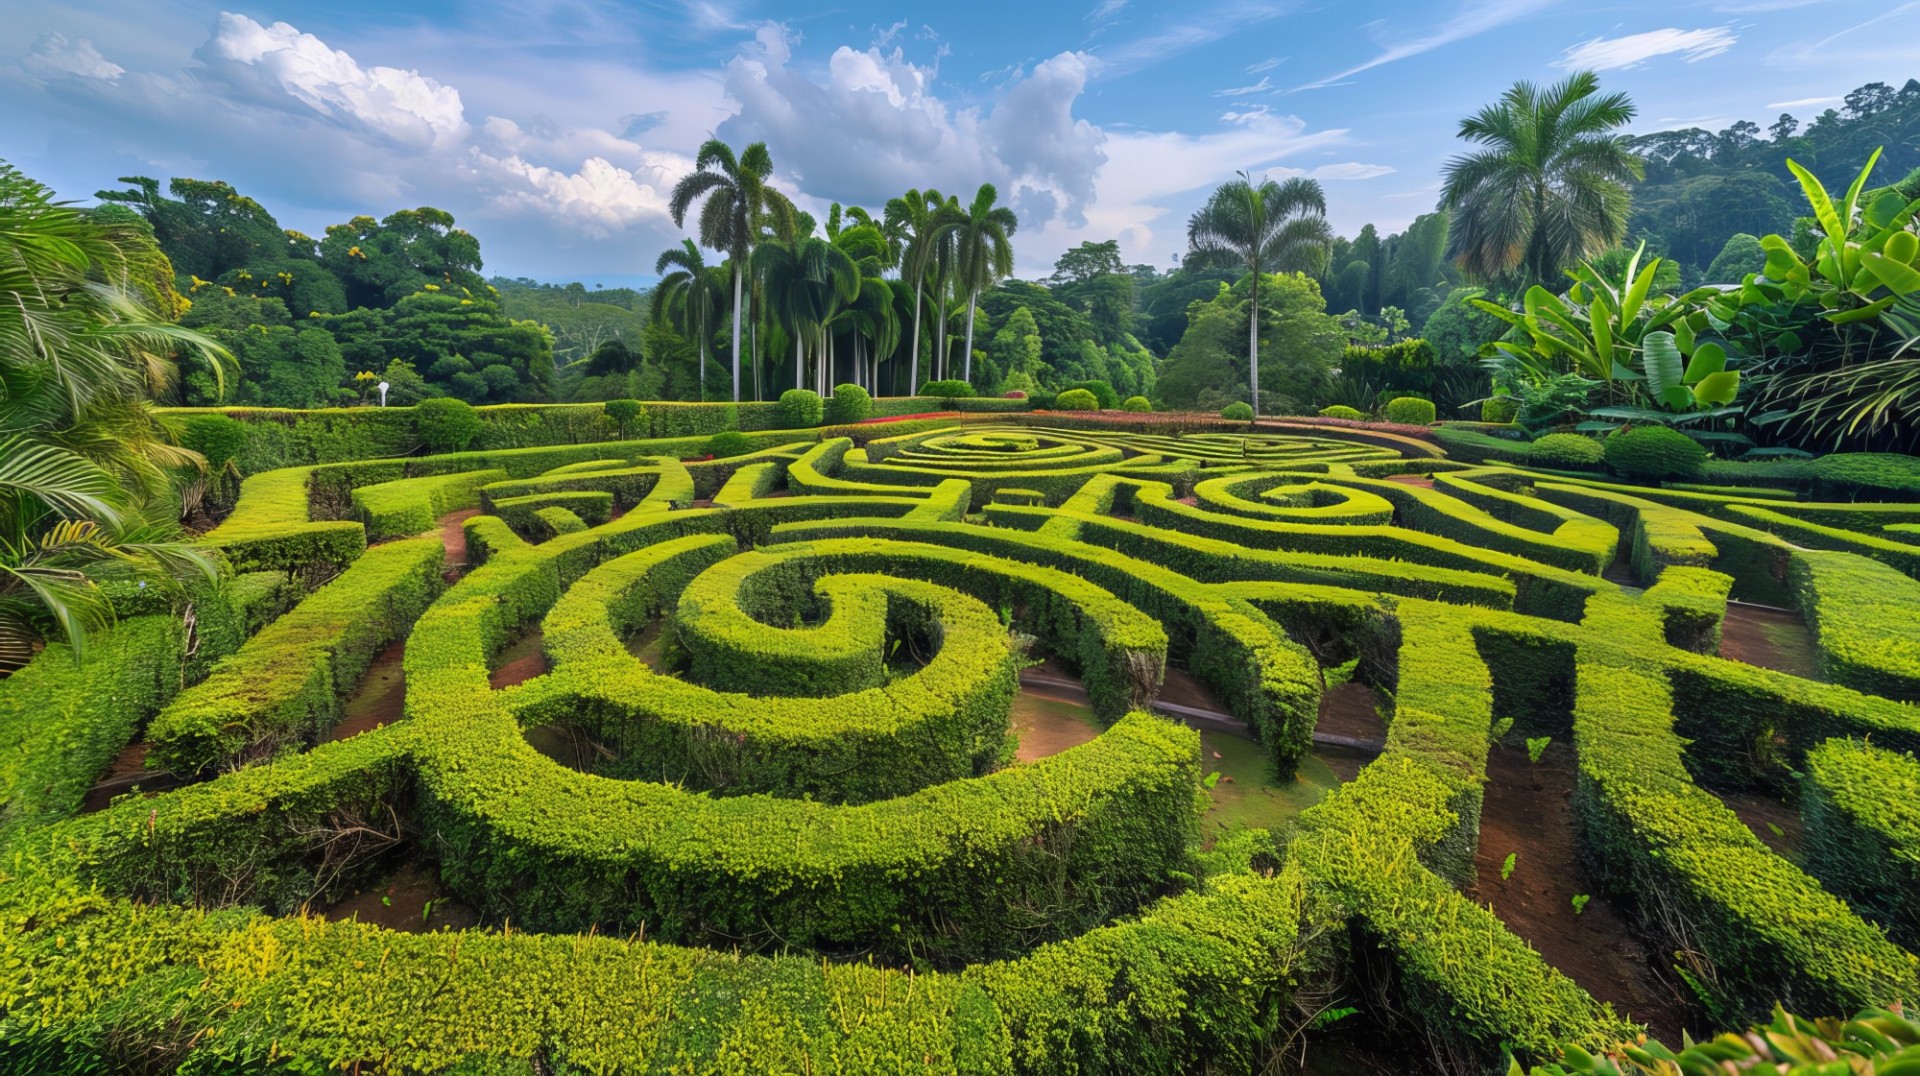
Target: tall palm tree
(1550,188)
(807,281)
(737,196)
(85,463)
(690,297)
(1261,228)
(919,218)
(983,254)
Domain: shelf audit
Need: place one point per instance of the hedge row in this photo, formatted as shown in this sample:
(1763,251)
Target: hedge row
(1862,807)
(286,685)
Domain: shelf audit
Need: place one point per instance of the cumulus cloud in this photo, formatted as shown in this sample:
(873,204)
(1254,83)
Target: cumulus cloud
(873,126)
(1609,54)
(280,66)
(53,55)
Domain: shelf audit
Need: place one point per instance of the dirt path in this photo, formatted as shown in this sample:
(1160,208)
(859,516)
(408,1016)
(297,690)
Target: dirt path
(1528,812)
(520,660)
(1769,638)
(409,900)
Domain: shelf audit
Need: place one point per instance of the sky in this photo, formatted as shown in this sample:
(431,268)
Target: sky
(554,129)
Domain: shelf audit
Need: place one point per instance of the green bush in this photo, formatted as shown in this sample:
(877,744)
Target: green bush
(1102,391)
(1076,400)
(1410,410)
(800,408)
(951,388)
(728,443)
(446,425)
(1565,451)
(218,438)
(1499,409)
(1653,453)
(850,403)
(1338,411)
(1237,411)
(624,413)
(1139,405)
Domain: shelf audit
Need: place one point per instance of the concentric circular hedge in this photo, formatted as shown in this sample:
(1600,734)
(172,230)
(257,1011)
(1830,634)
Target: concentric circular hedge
(806,843)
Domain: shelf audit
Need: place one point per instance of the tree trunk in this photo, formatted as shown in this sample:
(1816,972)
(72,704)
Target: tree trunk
(736,332)
(966,360)
(1253,345)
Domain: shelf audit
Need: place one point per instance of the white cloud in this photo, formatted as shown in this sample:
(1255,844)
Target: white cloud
(1803,102)
(1610,54)
(53,55)
(278,64)
(874,126)
(1475,17)
(1261,86)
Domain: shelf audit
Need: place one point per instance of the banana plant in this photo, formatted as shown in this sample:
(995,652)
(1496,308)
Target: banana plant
(1867,262)
(1598,328)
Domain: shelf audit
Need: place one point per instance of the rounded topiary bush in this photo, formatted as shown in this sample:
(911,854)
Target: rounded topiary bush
(624,413)
(1340,411)
(1102,392)
(217,438)
(1565,451)
(1238,411)
(1076,400)
(1499,409)
(1653,453)
(951,388)
(446,425)
(1411,411)
(850,403)
(728,443)
(801,407)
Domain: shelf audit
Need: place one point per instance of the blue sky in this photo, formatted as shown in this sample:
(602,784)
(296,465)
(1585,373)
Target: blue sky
(553,128)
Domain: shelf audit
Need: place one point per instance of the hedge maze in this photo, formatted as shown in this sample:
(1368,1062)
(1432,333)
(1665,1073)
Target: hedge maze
(799,837)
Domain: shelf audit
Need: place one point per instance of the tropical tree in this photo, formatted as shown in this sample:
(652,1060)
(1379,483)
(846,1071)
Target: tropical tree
(85,464)
(691,296)
(1550,188)
(982,254)
(1260,228)
(738,197)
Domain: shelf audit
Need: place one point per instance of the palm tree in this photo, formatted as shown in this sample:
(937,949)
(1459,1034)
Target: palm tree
(1550,188)
(691,297)
(737,198)
(85,343)
(1265,228)
(983,254)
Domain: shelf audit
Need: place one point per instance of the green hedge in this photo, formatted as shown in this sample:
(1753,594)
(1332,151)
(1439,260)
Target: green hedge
(1862,807)
(286,685)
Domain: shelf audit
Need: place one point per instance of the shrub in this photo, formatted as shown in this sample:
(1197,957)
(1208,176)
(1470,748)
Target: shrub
(1076,400)
(1564,451)
(623,413)
(950,388)
(1336,411)
(800,408)
(1237,411)
(1499,409)
(1411,410)
(1137,404)
(1653,453)
(216,437)
(446,425)
(1014,394)
(728,443)
(1102,391)
(850,403)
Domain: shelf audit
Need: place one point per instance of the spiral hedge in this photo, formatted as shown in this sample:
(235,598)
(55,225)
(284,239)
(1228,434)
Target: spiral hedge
(808,846)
